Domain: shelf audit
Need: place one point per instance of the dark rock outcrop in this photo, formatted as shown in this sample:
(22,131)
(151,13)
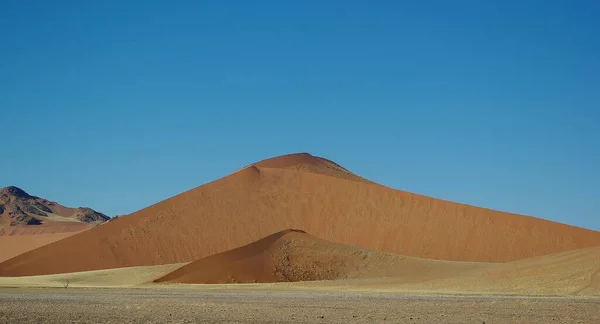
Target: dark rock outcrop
(15,192)
(88,215)
(22,208)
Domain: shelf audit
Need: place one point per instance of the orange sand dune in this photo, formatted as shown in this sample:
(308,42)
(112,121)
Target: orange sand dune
(308,193)
(293,255)
(49,227)
(11,246)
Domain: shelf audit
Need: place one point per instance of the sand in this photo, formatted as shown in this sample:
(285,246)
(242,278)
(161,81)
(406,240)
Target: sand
(574,273)
(308,193)
(294,255)
(309,163)
(11,246)
(49,227)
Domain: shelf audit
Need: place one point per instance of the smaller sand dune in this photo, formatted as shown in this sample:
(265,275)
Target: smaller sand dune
(568,273)
(294,255)
(572,273)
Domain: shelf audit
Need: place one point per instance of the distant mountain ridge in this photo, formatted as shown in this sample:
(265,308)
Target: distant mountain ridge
(18,209)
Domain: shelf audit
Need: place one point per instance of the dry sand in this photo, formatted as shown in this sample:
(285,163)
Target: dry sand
(225,305)
(574,273)
(308,193)
(11,246)
(296,256)
(293,255)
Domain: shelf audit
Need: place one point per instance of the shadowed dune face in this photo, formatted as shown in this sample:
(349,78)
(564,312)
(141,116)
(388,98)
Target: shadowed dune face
(293,255)
(298,191)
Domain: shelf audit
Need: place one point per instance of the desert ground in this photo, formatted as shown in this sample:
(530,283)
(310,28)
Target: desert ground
(275,304)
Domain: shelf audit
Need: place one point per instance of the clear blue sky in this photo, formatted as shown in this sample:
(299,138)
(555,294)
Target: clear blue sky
(117,105)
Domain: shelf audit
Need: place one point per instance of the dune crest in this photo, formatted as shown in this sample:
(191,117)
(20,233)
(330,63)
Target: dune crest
(309,163)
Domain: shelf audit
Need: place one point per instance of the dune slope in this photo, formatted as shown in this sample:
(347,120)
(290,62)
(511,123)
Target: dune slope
(298,191)
(13,245)
(566,273)
(291,256)
(572,273)
(294,255)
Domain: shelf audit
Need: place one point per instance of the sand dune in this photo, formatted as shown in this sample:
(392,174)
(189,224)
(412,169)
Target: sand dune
(570,273)
(293,255)
(309,193)
(49,227)
(567,273)
(11,246)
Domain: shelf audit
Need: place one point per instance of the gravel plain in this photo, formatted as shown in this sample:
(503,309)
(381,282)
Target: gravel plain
(231,305)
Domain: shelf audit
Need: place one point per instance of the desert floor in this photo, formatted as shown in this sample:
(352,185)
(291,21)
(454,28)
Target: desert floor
(280,304)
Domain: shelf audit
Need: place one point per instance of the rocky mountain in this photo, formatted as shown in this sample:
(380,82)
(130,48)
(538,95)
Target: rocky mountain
(20,209)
